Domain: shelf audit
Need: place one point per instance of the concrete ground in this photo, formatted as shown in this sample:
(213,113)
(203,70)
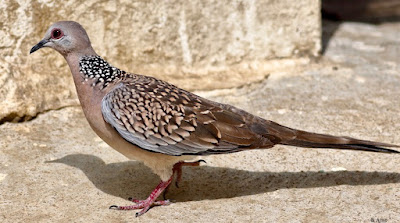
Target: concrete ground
(55,169)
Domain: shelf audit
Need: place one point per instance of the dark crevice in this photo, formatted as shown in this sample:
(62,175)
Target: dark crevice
(367,11)
(14,117)
(335,12)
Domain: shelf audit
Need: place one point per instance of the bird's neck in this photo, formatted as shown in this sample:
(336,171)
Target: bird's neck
(93,77)
(99,73)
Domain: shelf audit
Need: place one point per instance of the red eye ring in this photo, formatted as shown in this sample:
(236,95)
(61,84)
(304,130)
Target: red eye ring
(56,33)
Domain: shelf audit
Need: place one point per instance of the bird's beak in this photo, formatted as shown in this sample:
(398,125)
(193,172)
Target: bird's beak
(39,45)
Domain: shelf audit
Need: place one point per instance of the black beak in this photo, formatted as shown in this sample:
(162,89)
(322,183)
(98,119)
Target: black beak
(38,46)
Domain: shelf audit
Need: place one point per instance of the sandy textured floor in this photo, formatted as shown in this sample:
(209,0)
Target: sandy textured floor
(55,169)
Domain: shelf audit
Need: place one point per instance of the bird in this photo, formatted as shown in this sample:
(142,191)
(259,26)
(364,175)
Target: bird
(166,127)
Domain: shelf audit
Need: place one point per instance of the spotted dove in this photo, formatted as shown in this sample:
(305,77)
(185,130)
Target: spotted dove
(161,125)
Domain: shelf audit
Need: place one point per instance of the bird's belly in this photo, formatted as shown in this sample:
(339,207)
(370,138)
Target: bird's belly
(161,164)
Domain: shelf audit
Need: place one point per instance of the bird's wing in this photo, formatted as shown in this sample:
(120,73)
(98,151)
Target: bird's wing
(160,117)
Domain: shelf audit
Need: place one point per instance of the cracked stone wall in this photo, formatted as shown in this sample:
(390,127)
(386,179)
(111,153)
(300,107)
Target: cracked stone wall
(194,44)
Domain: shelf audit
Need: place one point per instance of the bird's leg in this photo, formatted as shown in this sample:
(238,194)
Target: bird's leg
(177,169)
(149,202)
(145,205)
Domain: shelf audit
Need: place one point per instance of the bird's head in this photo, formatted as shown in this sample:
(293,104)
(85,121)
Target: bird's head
(66,37)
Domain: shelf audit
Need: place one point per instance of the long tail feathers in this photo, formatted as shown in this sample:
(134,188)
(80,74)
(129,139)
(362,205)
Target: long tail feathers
(314,140)
(293,137)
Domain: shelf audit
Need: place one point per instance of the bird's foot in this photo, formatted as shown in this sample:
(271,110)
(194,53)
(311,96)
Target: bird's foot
(144,202)
(177,169)
(145,205)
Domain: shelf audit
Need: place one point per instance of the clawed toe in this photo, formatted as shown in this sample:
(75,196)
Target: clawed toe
(201,161)
(145,205)
(115,207)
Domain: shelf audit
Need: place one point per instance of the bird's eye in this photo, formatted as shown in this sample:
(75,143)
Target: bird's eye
(56,34)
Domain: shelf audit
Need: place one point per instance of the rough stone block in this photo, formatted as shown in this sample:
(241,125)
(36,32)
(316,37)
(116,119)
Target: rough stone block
(194,44)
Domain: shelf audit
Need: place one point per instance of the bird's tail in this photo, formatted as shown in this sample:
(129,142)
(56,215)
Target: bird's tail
(314,140)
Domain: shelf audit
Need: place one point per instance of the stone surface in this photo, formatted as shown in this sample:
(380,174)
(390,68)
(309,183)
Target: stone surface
(54,168)
(183,42)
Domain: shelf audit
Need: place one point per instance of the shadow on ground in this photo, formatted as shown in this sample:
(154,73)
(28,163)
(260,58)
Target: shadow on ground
(132,179)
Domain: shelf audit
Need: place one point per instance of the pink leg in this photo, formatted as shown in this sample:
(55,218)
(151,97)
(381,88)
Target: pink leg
(178,169)
(162,186)
(150,201)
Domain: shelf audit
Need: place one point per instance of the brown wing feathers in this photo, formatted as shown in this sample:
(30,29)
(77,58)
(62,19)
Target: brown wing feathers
(162,118)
